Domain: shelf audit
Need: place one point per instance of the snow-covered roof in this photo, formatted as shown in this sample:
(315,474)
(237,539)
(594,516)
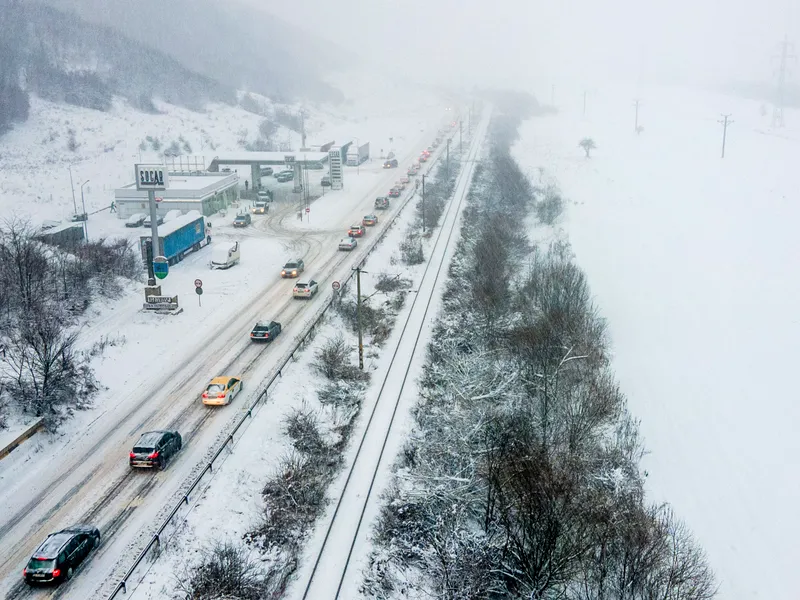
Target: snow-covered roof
(184,187)
(267,158)
(175,224)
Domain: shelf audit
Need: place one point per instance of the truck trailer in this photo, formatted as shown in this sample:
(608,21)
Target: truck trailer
(357,154)
(178,237)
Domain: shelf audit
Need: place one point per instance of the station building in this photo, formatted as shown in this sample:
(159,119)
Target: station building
(199,190)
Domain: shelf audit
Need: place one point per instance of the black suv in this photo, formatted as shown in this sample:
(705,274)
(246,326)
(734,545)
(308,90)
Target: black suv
(265,331)
(155,448)
(60,554)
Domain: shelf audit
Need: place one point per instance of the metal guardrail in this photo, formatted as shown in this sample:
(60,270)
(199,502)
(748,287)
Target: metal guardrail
(155,541)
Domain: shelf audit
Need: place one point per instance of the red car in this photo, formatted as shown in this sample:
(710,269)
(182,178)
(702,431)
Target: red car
(356,231)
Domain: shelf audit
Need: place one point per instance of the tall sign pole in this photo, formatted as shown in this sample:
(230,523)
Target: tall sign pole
(152,178)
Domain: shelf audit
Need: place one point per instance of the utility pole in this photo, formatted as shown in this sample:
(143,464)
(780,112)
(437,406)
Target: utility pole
(85,216)
(448,159)
(777,110)
(72,187)
(725,124)
(636,122)
(358,318)
(423,203)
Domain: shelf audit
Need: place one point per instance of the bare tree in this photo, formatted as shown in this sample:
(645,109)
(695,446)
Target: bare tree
(588,145)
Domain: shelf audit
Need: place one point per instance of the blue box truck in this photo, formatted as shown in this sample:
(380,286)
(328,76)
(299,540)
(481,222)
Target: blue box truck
(178,237)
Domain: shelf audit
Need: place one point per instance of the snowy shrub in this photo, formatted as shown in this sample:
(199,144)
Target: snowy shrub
(549,208)
(375,319)
(72,143)
(411,251)
(173,149)
(226,570)
(387,282)
(333,361)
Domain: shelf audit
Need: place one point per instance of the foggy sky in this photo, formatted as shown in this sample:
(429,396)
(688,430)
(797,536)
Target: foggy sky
(583,41)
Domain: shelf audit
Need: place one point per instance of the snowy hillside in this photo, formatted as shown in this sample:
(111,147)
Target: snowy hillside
(692,260)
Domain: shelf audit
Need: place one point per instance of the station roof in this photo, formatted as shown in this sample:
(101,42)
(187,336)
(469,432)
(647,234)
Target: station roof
(267,158)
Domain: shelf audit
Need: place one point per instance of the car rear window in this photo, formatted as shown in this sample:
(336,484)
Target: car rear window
(215,388)
(39,564)
(291,265)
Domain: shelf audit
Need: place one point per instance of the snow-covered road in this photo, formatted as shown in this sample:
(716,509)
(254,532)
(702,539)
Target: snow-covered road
(337,551)
(91,480)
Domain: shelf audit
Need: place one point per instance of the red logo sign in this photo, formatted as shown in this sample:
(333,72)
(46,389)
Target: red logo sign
(198,283)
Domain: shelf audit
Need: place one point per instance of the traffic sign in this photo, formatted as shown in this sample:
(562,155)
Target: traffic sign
(198,291)
(159,198)
(160,267)
(308,209)
(336,285)
(198,283)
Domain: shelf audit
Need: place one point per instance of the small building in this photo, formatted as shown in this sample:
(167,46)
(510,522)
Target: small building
(65,235)
(202,191)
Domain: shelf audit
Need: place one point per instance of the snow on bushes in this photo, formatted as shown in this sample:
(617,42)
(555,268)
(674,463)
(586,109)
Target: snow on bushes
(521,475)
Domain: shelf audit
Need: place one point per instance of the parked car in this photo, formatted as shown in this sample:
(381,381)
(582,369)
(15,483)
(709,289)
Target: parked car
(356,231)
(221,391)
(266,171)
(390,164)
(154,449)
(369,220)
(60,554)
(285,177)
(259,207)
(242,220)
(293,268)
(381,203)
(283,172)
(326,181)
(80,217)
(159,221)
(135,220)
(394,193)
(348,243)
(265,331)
(304,290)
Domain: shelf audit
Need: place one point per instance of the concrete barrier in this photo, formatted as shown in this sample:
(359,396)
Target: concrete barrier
(28,433)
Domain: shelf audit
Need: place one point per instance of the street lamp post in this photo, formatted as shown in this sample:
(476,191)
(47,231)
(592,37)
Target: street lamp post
(85,216)
(72,187)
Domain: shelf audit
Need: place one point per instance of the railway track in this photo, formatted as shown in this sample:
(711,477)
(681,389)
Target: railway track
(333,559)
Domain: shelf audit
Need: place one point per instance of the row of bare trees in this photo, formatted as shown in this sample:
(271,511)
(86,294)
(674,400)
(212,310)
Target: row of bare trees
(521,477)
(43,291)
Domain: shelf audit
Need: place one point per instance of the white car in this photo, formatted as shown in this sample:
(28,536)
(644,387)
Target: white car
(348,243)
(305,290)
(135,220)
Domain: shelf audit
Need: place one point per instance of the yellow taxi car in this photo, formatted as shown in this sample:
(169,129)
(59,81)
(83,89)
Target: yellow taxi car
(222,390)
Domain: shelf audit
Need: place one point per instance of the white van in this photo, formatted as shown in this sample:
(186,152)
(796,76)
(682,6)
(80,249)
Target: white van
(225,255)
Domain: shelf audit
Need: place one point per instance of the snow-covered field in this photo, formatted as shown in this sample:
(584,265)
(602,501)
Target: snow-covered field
(692,259)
